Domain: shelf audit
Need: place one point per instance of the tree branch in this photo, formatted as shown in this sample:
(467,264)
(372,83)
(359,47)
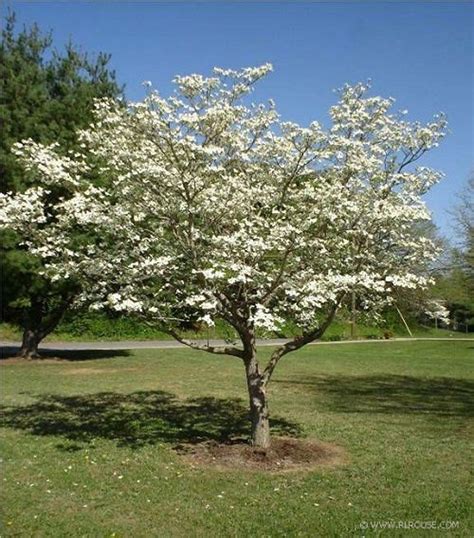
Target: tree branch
(278,278)
(297,343)
(54,317)
(224,350)
(411,158)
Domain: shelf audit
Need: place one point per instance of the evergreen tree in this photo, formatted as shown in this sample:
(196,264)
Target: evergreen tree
(45,95)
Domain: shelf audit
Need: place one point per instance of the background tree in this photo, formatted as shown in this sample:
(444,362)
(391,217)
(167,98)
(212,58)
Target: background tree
(45,95)
(455,281)
(220,210)
(423,305)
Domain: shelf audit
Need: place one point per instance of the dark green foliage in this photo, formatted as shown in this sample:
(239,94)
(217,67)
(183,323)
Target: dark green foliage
(44,95)
(93,325)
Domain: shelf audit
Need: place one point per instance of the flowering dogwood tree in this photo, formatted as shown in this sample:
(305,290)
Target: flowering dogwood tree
(217,209)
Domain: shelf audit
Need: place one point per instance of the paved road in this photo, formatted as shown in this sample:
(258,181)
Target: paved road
(166,344)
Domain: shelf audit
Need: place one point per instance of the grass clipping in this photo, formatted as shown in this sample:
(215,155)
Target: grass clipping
(284,454)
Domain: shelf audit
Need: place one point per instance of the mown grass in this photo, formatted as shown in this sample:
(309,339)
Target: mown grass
(87,444)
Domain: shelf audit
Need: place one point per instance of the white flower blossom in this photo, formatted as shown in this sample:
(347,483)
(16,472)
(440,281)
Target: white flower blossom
(211,207)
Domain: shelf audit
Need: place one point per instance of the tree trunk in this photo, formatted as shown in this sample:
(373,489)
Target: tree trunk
(37,325)
(258,405)
(260,422)
(29,345)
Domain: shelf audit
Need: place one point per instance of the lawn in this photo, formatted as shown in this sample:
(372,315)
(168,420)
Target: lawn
(87,448)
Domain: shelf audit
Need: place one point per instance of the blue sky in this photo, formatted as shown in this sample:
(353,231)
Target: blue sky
(421,53)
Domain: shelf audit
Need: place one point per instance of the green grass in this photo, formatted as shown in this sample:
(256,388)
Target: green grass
(87,443)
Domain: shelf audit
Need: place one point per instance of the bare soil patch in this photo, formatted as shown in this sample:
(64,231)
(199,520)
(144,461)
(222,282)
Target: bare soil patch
(92,371)
(11,360)
(285,454)
(22,360)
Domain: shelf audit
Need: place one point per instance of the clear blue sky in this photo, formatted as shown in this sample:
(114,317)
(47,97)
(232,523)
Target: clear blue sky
(421,53)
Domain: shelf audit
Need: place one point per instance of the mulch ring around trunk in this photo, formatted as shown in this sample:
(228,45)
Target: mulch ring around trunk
(284,454)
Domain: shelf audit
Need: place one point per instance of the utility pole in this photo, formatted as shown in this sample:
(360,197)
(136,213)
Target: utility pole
(404,322)
(353,295)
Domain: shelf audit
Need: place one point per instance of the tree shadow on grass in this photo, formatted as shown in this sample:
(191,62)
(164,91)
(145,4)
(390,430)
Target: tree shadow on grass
(391,394)
(10,352)
(137,419)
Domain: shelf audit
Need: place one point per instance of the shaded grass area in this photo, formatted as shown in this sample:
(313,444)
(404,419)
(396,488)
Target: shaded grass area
(391,394)
(143,417)
(87,445)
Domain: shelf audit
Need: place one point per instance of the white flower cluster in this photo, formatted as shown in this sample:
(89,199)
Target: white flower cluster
(437,310)
(209,207)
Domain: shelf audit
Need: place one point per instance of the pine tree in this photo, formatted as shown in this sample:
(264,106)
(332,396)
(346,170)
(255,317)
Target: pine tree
(45,95)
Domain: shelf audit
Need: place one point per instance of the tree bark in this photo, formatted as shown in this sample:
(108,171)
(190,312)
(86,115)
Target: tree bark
(258,404)
(29,345)
(37,326)
(260,422)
